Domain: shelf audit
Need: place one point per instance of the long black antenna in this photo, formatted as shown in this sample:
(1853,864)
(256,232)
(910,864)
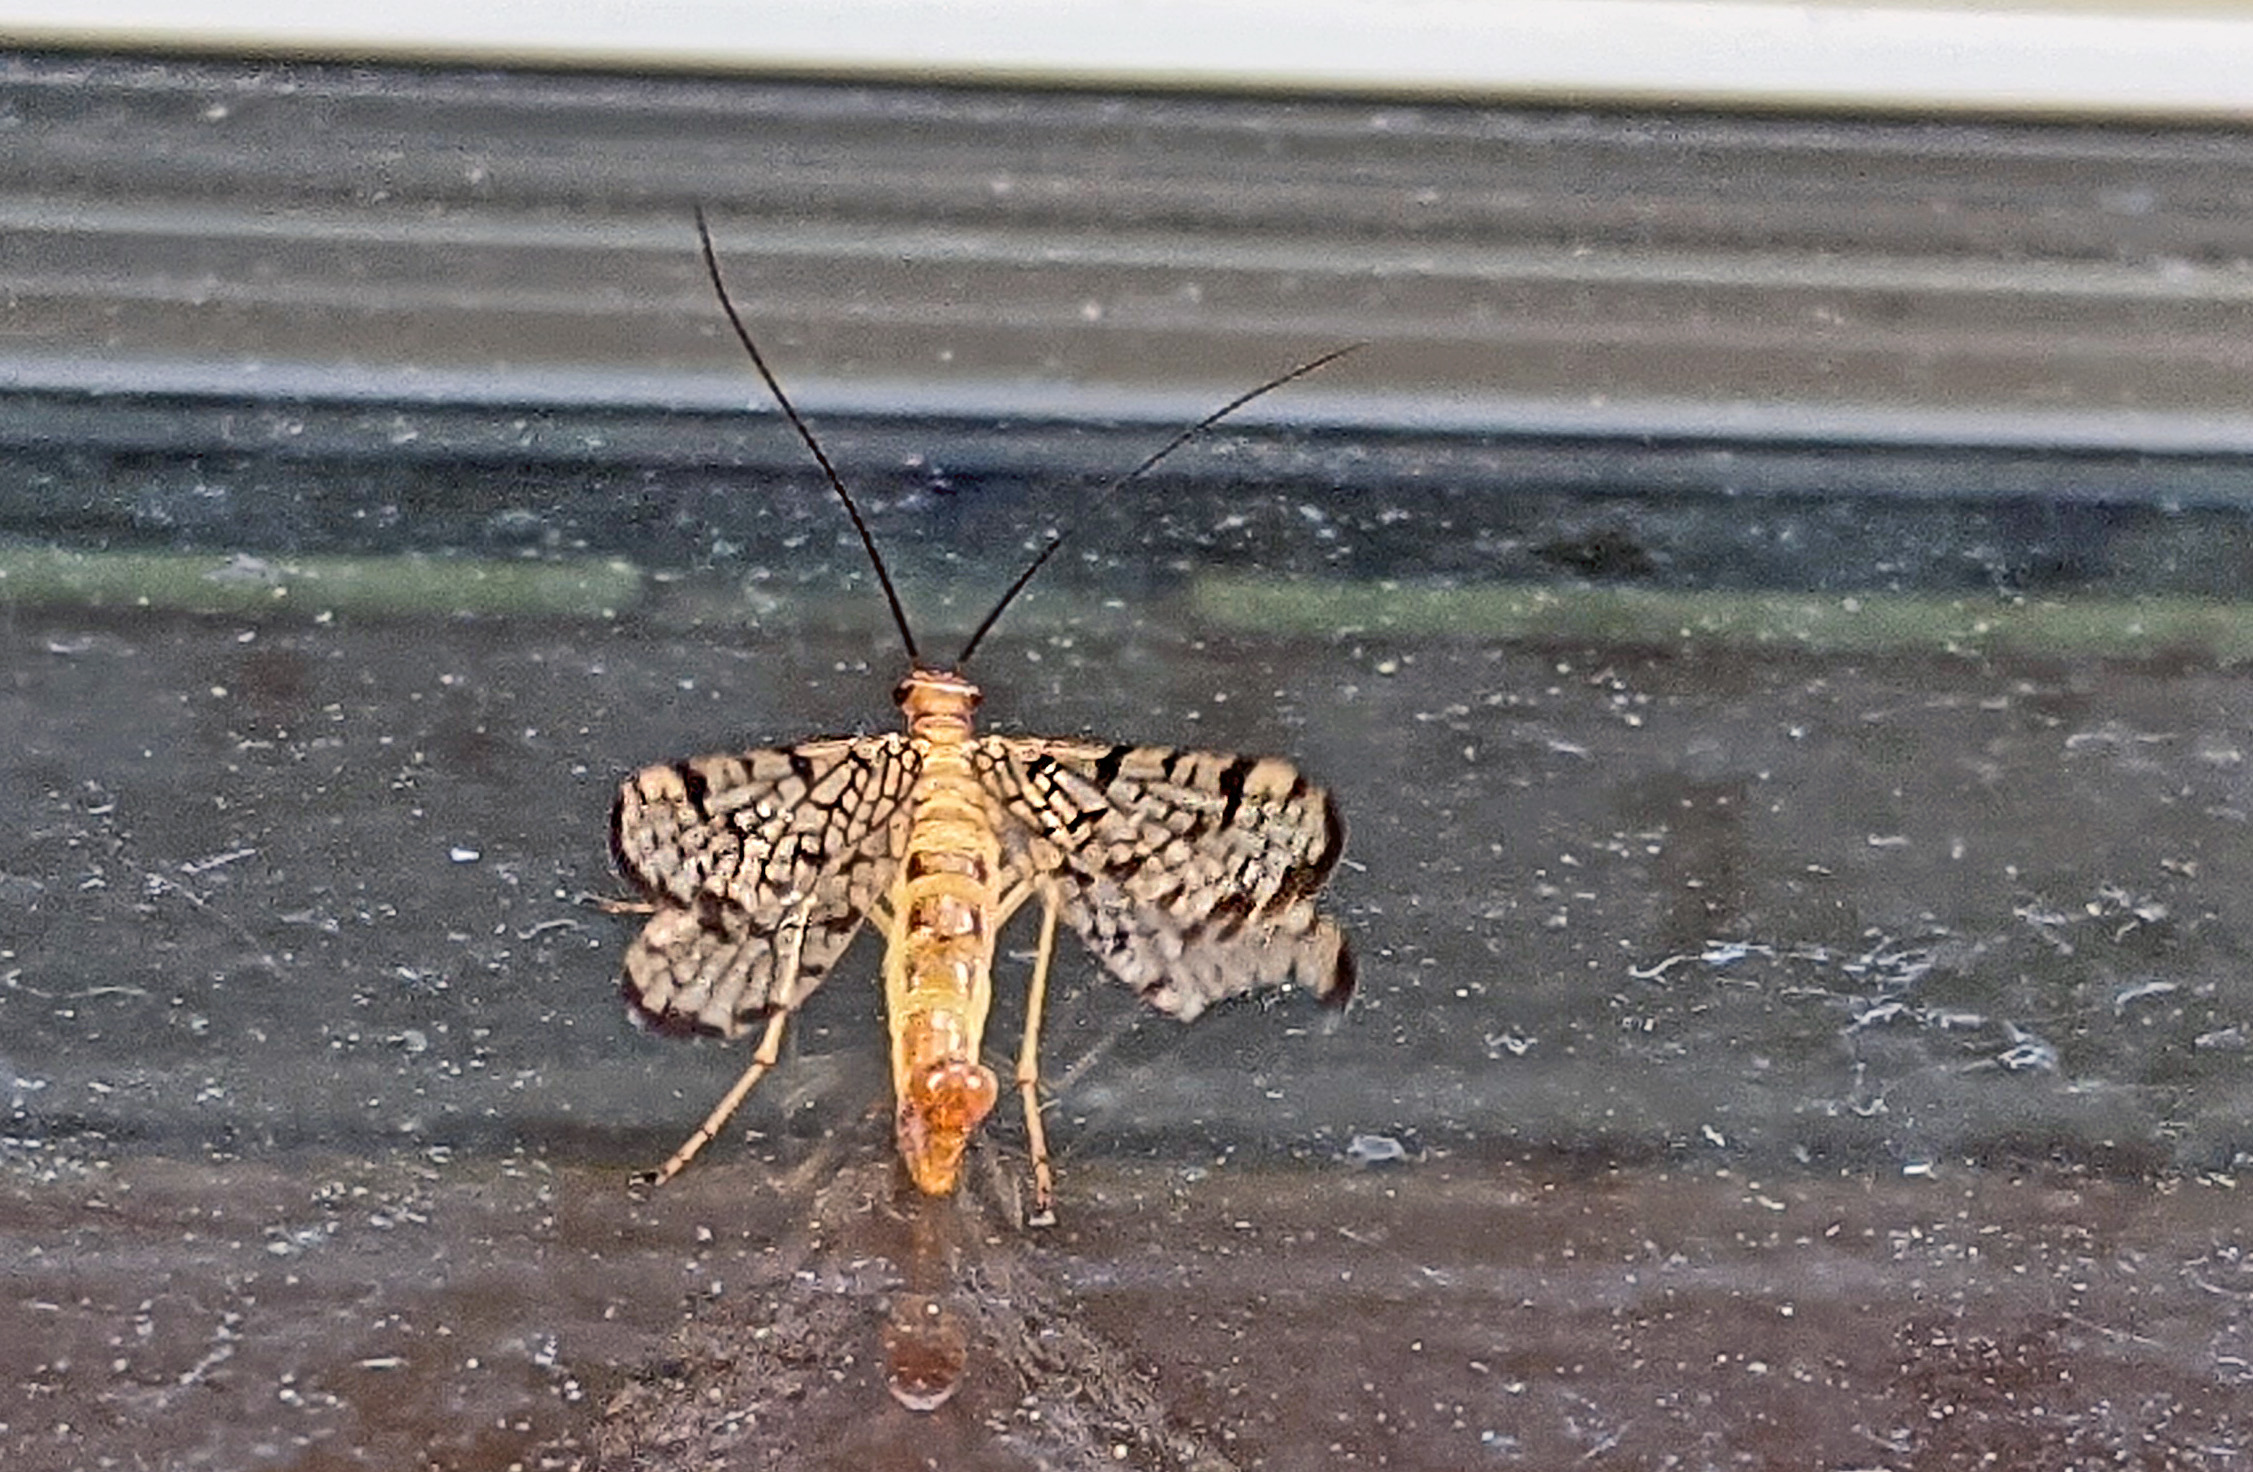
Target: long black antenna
(790,412)
(1056,539)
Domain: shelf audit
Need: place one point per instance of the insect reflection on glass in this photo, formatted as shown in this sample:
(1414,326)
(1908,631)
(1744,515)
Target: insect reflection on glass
(1191,875)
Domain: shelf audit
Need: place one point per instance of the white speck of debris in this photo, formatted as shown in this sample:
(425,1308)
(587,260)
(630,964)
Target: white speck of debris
(1882,1012)
(2128,996)
(1375,1150)
(216,861)
(244,568)
(2028,1053)
(462,855)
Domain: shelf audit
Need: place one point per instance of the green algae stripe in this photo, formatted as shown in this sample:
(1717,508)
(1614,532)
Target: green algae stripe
(220,583)
(2067,627)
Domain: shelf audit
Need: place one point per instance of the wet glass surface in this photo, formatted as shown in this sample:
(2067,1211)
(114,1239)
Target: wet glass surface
(1801,888)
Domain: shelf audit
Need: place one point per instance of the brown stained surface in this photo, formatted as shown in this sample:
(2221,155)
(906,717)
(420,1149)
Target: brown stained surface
(1433,1317)
(324,1101)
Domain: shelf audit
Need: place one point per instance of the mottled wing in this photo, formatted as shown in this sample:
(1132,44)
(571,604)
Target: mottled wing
(731,847)
(1191,874)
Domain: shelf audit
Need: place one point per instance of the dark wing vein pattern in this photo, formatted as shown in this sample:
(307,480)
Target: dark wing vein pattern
(729,847)
(1191,874)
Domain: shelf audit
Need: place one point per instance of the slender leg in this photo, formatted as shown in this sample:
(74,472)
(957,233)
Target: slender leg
(792,939)
(1028,1069)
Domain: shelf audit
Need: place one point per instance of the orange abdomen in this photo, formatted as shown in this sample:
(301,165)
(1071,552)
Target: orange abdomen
(938,967)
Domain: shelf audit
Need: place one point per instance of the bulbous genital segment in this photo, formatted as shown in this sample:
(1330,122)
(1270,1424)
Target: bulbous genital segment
(940,1110)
